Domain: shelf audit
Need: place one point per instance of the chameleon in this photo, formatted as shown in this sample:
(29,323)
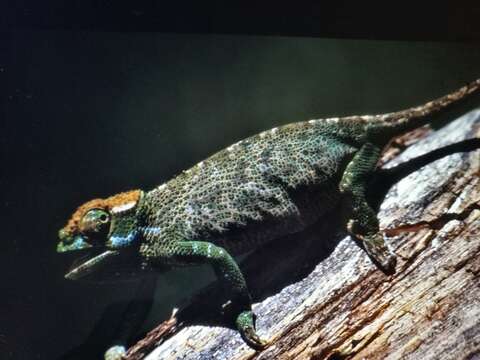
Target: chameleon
(259,189)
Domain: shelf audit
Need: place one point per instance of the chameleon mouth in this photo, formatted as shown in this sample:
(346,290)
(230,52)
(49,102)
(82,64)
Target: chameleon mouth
(87,264)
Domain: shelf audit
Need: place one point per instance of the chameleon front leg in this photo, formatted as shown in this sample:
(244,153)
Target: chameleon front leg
(363,223)
(229,274)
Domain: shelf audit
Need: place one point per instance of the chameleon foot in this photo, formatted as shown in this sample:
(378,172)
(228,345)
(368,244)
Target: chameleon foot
(375,246)
(246,326)
(379,252)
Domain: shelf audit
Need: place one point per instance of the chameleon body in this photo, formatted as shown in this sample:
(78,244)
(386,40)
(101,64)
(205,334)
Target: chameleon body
(261,188)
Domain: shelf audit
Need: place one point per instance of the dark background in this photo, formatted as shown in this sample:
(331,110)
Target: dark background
(446,20)
(90,108)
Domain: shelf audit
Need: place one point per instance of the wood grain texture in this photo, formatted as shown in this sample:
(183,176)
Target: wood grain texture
(317,294)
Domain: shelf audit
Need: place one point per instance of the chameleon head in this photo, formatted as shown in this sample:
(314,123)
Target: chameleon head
(103,226)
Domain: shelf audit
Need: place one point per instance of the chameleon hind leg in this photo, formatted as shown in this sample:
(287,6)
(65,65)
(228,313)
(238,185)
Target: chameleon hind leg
(363,223)
(229,274)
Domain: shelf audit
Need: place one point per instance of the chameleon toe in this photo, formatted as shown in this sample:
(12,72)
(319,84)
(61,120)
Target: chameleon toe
(246,326)
(252,339)
(389,265)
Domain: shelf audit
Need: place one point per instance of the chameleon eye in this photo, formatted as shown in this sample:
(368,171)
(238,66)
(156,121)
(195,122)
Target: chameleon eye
(95,221)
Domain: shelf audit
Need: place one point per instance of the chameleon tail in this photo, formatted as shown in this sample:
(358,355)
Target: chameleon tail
(436,111)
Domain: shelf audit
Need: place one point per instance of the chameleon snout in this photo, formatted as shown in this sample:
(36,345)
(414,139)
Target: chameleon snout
(70,242)
(62,234)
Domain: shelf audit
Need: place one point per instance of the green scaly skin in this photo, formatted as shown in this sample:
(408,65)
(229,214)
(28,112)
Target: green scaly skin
(266,186)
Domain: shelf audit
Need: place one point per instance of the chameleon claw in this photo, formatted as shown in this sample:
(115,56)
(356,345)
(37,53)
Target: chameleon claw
(246,326)
(375,246)
(387,264)
(379,252)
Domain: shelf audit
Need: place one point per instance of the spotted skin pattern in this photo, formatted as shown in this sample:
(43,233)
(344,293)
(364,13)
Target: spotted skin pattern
(264,178)
(266,186)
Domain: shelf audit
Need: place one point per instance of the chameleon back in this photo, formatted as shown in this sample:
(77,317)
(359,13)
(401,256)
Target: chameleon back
(263,187)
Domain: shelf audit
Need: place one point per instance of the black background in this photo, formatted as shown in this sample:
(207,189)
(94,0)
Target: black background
(447,20)
(99,98)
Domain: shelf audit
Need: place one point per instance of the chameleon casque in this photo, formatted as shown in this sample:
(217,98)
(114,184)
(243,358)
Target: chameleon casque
(271,184)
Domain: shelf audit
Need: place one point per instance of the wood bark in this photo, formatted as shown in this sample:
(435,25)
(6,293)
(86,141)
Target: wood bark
(318,295)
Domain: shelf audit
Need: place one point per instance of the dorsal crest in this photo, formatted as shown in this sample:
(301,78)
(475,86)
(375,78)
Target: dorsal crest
(113,204)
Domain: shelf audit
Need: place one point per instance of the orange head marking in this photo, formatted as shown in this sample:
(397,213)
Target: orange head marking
(73,224)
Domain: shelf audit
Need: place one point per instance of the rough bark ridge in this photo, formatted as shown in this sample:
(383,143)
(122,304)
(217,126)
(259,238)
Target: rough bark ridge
(338,305)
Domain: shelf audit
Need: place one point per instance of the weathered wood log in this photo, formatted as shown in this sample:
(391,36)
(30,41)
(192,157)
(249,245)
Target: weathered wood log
(318,295)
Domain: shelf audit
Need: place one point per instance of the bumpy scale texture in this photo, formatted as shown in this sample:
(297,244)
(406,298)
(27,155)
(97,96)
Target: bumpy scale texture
(255,190)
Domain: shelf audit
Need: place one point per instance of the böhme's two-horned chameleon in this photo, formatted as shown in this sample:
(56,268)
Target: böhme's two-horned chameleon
(271,184)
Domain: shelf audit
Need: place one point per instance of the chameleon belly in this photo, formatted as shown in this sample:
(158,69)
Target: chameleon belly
(260,188)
